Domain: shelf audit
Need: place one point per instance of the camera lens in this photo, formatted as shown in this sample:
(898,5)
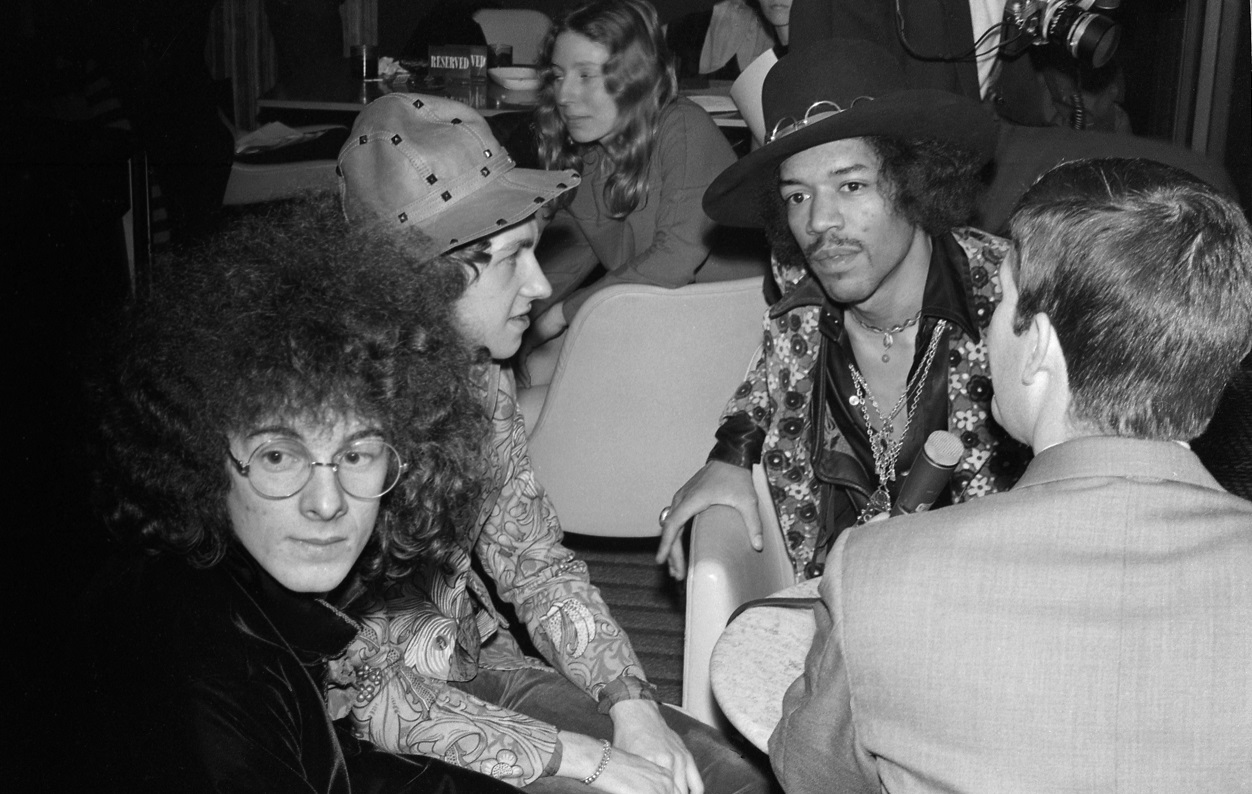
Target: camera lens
(1088,37)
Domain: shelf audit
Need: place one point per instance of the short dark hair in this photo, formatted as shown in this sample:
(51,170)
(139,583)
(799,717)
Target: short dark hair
(933,184)
(1146,274)
(292,313)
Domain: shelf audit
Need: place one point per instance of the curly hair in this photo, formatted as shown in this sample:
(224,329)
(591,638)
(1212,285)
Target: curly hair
(640,77)
(292,314)
(932,184)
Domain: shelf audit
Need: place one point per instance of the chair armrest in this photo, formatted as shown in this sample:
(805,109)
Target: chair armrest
(724,571)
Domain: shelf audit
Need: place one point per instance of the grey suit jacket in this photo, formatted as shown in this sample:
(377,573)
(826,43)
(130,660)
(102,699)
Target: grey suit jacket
(1090,630)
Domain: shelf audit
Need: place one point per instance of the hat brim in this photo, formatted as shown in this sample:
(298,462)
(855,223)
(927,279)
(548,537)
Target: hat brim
(510,198)
(733,199)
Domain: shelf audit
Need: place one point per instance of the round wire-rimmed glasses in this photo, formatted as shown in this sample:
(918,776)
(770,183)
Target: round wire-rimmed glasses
(278,469)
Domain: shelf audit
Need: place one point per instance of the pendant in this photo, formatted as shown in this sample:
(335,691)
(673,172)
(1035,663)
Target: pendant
(879,502)
(885,358)
(888,340)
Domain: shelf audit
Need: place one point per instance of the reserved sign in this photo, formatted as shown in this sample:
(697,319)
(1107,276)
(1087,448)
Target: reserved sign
(462,62)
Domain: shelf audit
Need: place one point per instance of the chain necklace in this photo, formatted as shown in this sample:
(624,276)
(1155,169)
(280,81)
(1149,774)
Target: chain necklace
(883,444)
(888,334)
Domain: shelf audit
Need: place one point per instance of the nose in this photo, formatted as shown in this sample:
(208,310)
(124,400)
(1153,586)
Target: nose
(824,214)
(322,497)
(536,286)
(565,91)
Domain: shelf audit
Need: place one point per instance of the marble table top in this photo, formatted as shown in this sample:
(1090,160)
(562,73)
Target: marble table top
(757,658)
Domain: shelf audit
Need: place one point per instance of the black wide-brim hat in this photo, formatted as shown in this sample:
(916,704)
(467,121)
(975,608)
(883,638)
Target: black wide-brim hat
(862,91)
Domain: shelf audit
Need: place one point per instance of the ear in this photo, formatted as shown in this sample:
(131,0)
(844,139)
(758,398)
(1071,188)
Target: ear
(1043,350)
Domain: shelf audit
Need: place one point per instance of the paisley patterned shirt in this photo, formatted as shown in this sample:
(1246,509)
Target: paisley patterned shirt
(776,393)
(441,626)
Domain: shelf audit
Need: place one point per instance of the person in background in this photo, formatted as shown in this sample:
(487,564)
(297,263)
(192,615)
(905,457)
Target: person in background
(1090,629)
(610,109)
(719,42)
(778,14)
(877,341)
(291,422)
(435,669)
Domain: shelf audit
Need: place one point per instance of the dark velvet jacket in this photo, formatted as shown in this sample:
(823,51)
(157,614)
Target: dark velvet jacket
(212,680)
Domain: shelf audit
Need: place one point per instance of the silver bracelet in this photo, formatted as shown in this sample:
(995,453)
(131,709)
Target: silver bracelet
(605,755)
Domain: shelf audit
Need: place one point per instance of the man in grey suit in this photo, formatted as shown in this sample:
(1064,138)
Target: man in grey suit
(1091,629)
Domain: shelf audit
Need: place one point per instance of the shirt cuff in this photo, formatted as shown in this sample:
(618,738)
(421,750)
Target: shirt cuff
(554,763)
(626,687)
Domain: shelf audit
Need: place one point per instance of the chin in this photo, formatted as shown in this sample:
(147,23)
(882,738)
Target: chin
(303,578)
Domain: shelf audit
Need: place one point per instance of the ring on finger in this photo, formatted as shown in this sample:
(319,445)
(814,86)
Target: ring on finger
(664,515)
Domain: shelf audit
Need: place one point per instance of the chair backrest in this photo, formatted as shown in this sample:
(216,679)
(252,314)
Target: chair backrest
(724,571)
(253,184)
(640,382)
(521,27)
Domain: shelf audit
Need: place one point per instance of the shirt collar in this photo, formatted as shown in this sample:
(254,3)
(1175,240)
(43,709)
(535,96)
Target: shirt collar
(1114,456)
(949,293)
(306,622)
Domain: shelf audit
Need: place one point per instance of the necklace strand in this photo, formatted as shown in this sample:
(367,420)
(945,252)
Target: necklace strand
(883,444)
(888,334)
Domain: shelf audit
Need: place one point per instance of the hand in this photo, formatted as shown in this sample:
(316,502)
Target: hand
(716,484)
(639,728)
(550,324)
(625,773)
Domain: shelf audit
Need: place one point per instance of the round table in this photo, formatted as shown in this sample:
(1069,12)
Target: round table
(757,658)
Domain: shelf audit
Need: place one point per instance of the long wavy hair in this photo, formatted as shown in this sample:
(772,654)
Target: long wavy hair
(292,314)
(639,75)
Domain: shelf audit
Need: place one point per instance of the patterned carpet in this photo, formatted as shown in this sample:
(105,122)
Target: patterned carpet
(646,602)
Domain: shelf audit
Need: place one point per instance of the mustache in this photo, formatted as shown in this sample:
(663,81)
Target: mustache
(828,243)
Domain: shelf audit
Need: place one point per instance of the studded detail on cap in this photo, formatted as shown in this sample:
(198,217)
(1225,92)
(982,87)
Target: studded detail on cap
(538,199)
(455,121)
(562,185)
(404,217)
(395,139)
(485,171)
(453,241)
(432,179)
(487,153)
(446,196)
(363,139)
(501,222)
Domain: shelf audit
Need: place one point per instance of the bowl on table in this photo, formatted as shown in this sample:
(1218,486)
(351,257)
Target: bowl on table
(515,78)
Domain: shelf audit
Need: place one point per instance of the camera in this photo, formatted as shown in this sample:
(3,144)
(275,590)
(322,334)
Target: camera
(1086,35)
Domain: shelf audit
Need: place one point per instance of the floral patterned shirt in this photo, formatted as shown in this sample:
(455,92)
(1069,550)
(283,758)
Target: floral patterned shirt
(440,626)
(775,398)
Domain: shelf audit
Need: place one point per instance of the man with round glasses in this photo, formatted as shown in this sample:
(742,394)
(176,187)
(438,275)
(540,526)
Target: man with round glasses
(877,341)
(291,424)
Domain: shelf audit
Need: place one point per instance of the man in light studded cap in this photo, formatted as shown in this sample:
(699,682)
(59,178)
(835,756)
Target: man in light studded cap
(435,670)
(862,186)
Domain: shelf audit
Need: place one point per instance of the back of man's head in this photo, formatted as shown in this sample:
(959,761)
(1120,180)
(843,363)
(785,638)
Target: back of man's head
(1146,274)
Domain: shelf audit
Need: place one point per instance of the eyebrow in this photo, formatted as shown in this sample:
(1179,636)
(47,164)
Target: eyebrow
(288,432)
(836,172)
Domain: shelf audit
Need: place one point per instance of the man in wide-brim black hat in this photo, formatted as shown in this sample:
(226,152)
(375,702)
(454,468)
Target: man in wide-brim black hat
(862,187)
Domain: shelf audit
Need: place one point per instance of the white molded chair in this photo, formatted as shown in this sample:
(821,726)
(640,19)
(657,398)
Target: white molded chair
(521,27)
(641,379)
(253,184)
(724,571)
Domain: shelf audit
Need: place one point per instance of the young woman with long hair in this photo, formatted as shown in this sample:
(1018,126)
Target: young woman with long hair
(610,109)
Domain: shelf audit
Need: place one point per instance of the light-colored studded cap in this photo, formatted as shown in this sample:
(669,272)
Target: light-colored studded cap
(431,165)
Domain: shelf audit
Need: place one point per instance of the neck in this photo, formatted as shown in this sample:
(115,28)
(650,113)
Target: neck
(782,33)
(900,295)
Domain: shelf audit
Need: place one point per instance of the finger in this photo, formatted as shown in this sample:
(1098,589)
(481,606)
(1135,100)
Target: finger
(677,562)
(671,528)
(752,520)
(695,784)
